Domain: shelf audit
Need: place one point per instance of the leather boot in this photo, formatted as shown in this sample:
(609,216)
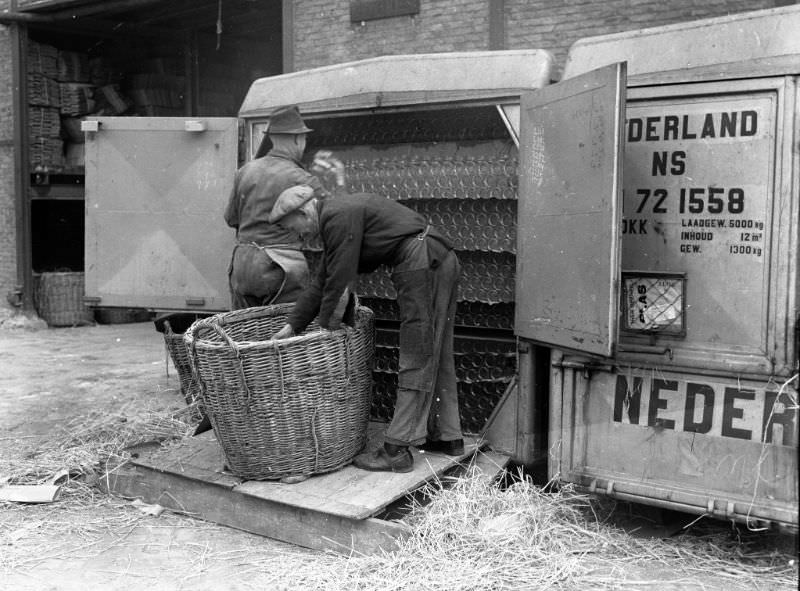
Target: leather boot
(451,448)
(389,458)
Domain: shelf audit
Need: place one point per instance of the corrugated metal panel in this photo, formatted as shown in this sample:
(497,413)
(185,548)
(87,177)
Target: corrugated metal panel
(569,212)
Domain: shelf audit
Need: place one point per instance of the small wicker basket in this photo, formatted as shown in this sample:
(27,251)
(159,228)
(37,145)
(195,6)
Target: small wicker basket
(58,298)
(296,406)
(178,352)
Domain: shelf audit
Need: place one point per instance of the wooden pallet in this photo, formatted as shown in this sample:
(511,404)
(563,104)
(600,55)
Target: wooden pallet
(344,511)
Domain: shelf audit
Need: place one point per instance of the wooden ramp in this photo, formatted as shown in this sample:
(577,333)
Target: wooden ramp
(340,511)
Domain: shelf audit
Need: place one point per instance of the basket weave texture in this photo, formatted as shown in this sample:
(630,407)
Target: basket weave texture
(58,298)
(296,406)
(178,352)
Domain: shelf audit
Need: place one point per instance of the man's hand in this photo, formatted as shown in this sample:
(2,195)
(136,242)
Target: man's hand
(284,333)
(325,163)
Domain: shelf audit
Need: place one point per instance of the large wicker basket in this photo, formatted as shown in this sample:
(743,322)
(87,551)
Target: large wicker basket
(178,352)
(297,406)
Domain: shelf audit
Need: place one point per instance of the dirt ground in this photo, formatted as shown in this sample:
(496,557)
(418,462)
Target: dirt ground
(52,376)
(51,380)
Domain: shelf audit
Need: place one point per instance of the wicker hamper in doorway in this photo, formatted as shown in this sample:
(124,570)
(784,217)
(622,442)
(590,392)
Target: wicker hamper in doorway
(58,298)
(297,406)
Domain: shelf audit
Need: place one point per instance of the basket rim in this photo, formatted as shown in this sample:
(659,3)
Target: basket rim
(193,338)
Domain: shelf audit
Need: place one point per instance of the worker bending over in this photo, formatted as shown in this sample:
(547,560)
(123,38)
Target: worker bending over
(359,233)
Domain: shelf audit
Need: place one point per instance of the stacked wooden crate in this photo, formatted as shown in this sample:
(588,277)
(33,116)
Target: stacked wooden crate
(77,100)
(46,148)
(157,89)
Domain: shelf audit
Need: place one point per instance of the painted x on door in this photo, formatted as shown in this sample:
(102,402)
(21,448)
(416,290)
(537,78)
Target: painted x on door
(156,189)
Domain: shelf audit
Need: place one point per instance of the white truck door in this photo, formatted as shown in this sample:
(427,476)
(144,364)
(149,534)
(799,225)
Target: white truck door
(156,189)
(569,212)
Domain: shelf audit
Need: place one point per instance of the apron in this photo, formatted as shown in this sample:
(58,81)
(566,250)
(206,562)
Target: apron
(275,274)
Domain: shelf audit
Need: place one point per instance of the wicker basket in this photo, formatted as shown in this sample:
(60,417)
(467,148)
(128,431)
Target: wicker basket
(178,352)
(59,299)
(297,406)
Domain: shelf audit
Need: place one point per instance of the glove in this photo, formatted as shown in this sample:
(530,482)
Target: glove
(284,333)
(325,163)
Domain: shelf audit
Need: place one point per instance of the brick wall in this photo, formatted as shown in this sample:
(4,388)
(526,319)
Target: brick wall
(557,25)
(324,34)
(8,235)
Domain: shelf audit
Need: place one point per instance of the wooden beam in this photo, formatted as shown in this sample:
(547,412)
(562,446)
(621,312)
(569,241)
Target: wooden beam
(91,20)
(8,17)
(106,7)
(69,15)
(102,29)
(44,5)
(21,182)
(220,503)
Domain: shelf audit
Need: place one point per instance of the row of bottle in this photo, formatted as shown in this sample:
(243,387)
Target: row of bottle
(408,128)
(435,177)
(470,367)
(476,400)
(485,277)
(468,314)
(462,343)
(485,225)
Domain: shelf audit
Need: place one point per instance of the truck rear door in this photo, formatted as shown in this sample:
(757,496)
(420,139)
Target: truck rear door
(156,189)
(569,212)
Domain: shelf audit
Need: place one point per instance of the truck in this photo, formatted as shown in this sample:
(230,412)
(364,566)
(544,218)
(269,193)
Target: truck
(628,311)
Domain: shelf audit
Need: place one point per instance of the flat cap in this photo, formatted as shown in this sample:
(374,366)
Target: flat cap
(290,200)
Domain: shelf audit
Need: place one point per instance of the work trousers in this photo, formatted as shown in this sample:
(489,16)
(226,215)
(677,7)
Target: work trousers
(427,393)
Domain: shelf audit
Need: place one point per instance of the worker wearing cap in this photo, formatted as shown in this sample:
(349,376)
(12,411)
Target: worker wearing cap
(267,264)
(359,233)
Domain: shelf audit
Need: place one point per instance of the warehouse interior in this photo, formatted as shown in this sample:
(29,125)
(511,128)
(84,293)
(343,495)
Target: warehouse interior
(153,59)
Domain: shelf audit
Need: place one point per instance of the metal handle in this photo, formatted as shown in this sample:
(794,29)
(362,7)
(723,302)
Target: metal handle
(646,350)
(195,126)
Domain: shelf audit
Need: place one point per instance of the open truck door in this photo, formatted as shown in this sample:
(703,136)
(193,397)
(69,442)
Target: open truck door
(156,189)
(568,244)
(569,212)
(673,364)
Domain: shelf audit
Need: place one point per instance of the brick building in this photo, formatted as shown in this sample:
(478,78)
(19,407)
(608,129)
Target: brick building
(205,53)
